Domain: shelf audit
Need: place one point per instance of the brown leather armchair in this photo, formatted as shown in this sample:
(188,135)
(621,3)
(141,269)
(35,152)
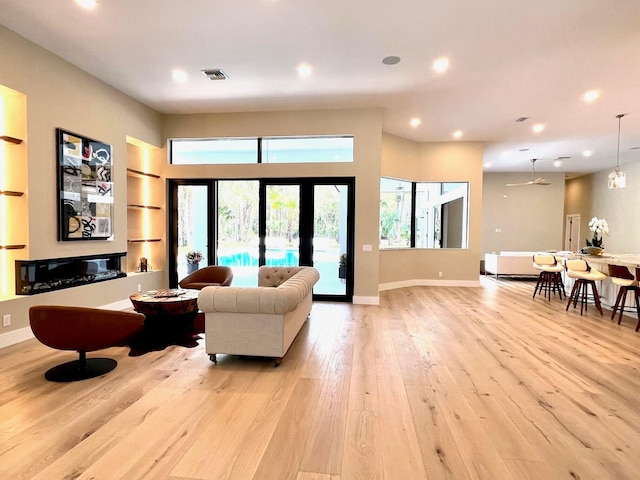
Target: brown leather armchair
(211,275)
(85,330)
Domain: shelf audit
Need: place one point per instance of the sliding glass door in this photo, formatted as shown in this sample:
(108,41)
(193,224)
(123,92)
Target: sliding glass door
(236,213)
(330,237)
(192,229)
(282,225)
(280,222)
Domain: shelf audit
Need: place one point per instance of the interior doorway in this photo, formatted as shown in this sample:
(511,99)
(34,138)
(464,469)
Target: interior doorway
(572,233)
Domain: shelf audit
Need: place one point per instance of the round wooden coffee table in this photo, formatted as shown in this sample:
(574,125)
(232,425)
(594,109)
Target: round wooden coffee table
(166,302)
(169,318)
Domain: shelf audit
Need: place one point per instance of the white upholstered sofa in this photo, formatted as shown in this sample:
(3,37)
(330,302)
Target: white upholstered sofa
(258,321)
(510,263)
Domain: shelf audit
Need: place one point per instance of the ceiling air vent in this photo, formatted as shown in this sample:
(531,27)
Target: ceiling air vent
(215,74)
(522,119)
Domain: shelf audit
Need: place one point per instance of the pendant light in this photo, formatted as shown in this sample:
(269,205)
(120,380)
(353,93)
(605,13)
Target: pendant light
(617,178)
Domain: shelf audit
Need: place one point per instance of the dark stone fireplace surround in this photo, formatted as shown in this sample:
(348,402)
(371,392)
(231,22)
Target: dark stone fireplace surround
(39,276)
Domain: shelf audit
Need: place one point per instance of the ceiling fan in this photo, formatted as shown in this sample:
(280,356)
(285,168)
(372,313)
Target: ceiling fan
(533,181)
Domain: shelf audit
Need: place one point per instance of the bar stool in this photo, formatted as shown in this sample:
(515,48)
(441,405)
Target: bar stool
(549,279)
(622,277)
(581,272)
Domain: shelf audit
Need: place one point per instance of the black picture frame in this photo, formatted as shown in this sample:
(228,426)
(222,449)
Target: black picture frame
(85,188)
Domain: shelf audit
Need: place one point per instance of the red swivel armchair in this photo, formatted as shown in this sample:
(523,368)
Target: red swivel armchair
(207,276)
(84,330)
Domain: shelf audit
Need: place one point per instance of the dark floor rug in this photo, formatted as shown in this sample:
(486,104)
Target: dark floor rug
(157,339)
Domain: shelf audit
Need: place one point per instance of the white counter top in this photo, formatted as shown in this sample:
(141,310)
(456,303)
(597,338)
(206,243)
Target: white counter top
(626,259)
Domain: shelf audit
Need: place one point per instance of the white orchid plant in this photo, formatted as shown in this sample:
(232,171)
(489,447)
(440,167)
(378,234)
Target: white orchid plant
(599,227)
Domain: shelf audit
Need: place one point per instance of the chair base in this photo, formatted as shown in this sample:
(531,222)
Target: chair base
(75,370)
(621,300)
(579,292)
(549,282)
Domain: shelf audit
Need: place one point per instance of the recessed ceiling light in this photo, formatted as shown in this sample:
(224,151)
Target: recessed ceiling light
(538,127)
(304,70)
(415,122)
(440,65)
(87,4)
(591,95)
(557,163)
(457,134)
(180,76)
(587,153)
(391,60)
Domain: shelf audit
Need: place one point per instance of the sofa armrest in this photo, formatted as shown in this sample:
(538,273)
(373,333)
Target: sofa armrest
(490,262)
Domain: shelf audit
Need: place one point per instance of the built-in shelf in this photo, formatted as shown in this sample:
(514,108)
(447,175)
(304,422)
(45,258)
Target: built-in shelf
(10,193)
(9,139)
(143,240)
(146,207)
(12,247)
(139,173)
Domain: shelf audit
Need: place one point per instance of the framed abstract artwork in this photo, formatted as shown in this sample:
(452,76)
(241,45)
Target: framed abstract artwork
(85,188)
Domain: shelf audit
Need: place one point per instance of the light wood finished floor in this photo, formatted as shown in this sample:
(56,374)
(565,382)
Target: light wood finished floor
(435,383)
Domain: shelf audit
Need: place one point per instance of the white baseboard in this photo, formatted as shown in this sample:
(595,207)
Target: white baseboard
(359,300)
(428,283)
(15,336)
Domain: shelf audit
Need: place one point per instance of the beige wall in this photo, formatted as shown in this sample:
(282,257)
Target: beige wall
(529,218)
(364,124)
(60,95)
(440,162)
(589,196)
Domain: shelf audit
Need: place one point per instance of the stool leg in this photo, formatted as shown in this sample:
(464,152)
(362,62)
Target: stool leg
(623,291)
(572,295)
(618,299)
(557,282)
(635,290)
(535,290)
(549,280)
(596,297)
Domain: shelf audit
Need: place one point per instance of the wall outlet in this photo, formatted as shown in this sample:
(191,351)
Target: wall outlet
(139,287)
(440,274)
(367,248)
(6,320)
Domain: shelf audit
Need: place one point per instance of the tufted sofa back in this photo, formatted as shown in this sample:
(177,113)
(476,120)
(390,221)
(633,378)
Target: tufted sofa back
(293,284)
(275,276)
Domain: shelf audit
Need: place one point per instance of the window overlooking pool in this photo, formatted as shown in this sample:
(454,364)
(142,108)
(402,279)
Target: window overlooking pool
(423,214)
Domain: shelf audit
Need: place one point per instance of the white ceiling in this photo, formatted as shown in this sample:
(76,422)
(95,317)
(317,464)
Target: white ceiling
(508,59)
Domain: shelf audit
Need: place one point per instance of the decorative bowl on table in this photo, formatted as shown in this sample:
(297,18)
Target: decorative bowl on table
(592,250)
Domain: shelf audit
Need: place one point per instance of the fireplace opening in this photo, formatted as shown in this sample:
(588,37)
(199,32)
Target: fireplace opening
(39,276)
